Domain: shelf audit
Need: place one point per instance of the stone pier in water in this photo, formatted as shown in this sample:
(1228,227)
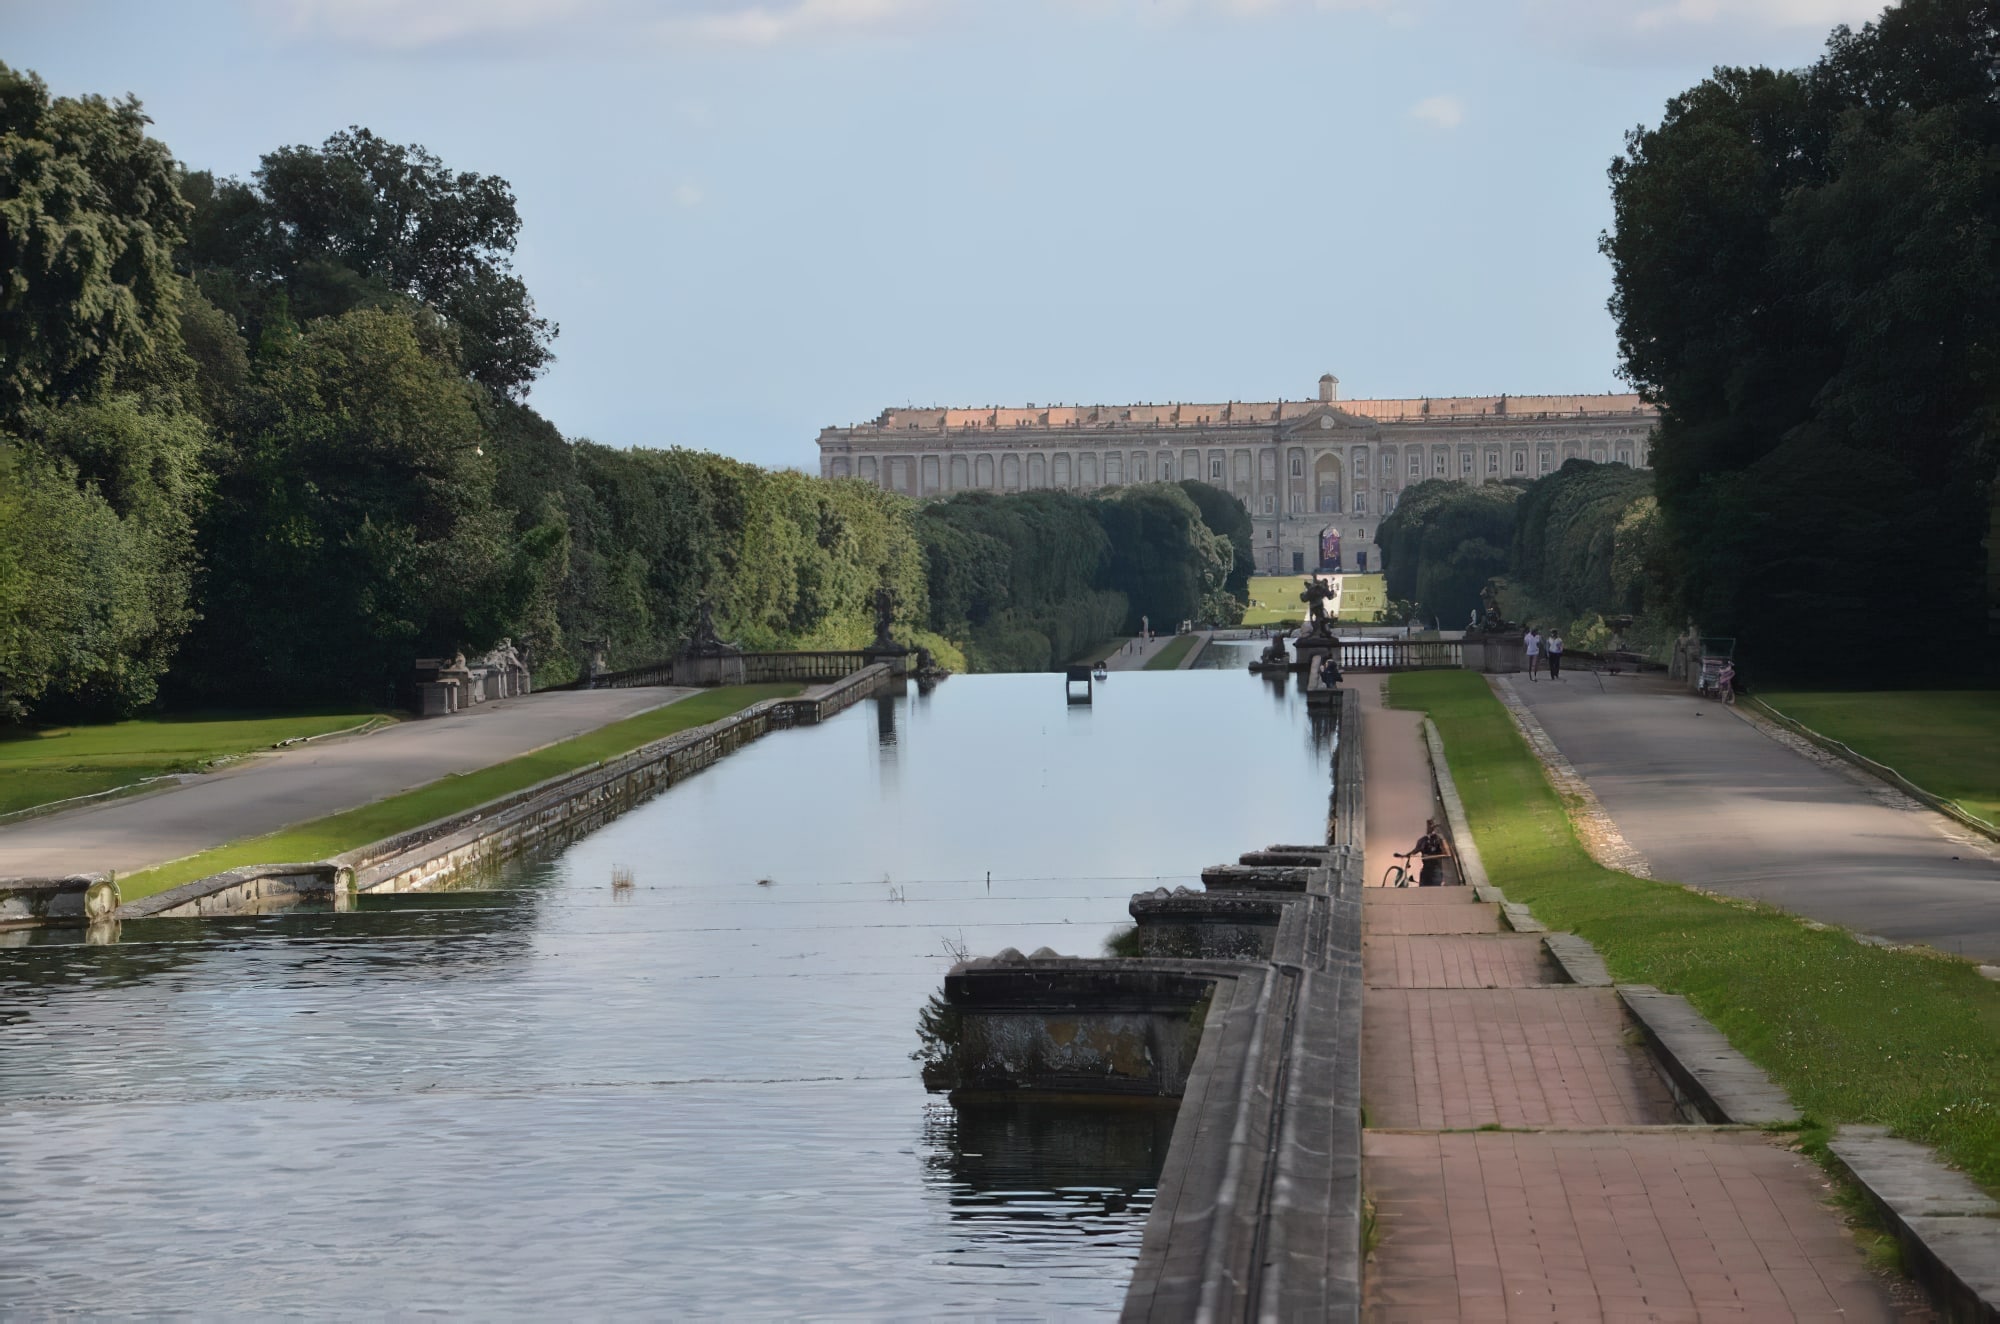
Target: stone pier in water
(1243,1002)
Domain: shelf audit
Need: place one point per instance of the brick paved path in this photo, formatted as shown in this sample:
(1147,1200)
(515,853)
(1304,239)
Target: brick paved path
(1595,1204)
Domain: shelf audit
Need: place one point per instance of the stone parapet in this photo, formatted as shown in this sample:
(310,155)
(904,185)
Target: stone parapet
(82,898)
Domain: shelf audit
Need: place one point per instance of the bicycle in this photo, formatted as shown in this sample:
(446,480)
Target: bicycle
(1397,875)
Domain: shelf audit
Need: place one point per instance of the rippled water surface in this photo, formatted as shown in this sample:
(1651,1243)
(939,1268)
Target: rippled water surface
(692,1096)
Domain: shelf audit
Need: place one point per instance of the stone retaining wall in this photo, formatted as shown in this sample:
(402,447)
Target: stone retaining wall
(566,806)
(76,899)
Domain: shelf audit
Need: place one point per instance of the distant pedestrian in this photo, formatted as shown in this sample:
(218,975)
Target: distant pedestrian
(1725,683)
(1533,643)
(1555,655)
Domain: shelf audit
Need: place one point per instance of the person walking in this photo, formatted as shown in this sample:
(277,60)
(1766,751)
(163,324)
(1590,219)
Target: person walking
(1533,643)
(1555,654)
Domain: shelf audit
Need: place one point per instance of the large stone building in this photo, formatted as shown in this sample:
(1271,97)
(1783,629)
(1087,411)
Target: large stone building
(1302,468)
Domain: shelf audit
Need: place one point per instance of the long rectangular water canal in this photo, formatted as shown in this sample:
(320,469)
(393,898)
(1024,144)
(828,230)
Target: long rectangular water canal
(693,1096)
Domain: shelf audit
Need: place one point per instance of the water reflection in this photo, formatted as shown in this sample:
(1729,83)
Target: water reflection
(548,1095)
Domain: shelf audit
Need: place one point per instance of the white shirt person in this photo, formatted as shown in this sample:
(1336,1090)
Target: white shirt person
(1533,642)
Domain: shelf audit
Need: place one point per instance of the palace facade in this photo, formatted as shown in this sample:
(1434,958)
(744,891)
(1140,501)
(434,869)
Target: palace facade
(1302,468)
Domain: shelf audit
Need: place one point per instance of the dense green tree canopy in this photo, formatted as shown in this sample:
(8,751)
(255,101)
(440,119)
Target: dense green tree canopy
(286,471)
(1806,279)
(357,220)
(90,215)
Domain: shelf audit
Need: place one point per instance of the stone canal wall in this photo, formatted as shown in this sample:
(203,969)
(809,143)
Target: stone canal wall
(76,899)
(1258,1209)
(561,807)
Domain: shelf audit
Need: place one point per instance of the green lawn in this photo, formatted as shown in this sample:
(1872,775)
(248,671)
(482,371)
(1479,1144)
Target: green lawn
(353,828)
(1856,1033)
(37,767)
(1090,657)
(1274,600)
(1168,658)
(1946,741)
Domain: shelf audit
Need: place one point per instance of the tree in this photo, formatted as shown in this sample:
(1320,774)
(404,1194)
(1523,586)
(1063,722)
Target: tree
(1224,514)
(1805,272)
(358,222)
(1443,541)
(90,215)
(355,527)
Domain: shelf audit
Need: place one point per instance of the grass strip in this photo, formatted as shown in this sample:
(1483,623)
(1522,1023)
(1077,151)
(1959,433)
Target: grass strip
(39,767)
(1905,1038)
(1169,658)
(319,838)
(1943,740)
(1090,657)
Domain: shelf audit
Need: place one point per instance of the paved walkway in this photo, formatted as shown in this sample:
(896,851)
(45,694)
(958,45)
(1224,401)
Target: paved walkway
(1594,1203)
(1709,799)
(290,786)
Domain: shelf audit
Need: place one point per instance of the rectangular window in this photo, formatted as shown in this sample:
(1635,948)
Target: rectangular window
(1361,503)
(1298,467)
(1465,464)
(1520,462)
(1388,465)
(1270,504)
(1545,461)
(1416,465)
(1493,462)
(1298,502)
(1438,464)
(1215,469)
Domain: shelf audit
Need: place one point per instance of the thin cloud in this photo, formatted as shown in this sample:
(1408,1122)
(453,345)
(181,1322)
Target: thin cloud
(1715,31)
(1440,112)
(689,196)
(428,25)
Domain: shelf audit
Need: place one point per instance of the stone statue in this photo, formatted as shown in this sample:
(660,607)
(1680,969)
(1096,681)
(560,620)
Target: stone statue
(1314,596)
(706,642)
(885,616)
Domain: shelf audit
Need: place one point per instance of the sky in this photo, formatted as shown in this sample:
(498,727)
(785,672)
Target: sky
(756,218)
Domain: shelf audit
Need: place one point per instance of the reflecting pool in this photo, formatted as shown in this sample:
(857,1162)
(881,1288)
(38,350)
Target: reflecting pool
(693,1095)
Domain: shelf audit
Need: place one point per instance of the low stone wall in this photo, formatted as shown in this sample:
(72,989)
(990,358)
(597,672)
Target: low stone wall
(1258,1211)
(82,898)
(566,806)
(253,888)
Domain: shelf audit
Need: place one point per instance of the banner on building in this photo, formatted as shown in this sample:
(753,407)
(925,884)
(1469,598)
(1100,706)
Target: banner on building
(1329,549)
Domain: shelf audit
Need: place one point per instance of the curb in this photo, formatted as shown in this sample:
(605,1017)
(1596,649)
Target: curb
(1948,1228)
(1766,714)
(1708,1076)
(1471,869)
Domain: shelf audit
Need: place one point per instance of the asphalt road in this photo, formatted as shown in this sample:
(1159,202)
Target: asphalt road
(1710,799)
(290,786)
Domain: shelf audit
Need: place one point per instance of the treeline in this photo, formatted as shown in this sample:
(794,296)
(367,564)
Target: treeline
(1807,282)
(1573,550)
(265,441)
(1036,579)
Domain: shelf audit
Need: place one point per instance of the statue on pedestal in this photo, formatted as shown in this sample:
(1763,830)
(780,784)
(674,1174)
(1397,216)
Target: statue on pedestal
(885,620)
(705,641)
(1315,597)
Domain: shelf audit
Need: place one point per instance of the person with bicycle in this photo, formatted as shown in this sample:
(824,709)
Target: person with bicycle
(1433,850)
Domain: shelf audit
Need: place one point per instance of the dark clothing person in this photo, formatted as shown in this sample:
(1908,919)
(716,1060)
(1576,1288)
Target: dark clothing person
(1430,848)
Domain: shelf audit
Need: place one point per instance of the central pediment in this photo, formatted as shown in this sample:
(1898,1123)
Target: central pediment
(1324,420)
